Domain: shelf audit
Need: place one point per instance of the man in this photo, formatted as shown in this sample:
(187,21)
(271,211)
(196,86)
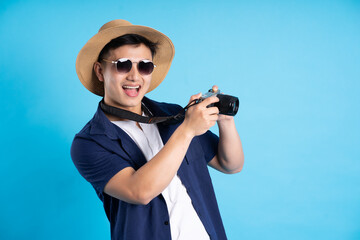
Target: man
(152,178)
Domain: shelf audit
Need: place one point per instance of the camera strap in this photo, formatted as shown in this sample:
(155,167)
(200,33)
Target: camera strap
(150,118)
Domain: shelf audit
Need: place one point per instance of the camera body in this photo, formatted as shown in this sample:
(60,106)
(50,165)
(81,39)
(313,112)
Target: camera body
(227,105)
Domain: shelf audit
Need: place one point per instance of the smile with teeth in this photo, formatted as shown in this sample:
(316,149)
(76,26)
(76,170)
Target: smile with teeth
(131,87)
(131,91)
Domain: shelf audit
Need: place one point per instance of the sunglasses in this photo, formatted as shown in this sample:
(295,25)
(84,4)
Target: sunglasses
(124,65)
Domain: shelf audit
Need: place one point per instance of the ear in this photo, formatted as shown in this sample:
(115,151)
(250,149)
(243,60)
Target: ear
(98,69)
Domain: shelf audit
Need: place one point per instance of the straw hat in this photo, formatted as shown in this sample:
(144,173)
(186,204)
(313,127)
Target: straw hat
(89,54)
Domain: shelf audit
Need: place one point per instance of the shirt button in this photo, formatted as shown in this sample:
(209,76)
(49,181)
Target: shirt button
(166,222)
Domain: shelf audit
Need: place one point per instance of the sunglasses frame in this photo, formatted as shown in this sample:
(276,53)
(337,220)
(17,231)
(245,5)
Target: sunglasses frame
(132,63)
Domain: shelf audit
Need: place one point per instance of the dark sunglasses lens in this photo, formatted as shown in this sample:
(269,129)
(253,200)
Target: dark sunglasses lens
(145,68)
(124,67)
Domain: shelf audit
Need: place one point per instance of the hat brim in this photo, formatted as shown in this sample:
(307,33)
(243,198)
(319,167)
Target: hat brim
(89,54)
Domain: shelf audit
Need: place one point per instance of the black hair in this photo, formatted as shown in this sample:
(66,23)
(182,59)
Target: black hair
(127,39)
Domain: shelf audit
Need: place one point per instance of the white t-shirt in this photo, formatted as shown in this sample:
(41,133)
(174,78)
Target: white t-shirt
(184,221)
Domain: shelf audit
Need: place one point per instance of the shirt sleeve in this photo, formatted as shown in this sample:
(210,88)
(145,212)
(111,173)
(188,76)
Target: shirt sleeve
(209,143)
(96,164)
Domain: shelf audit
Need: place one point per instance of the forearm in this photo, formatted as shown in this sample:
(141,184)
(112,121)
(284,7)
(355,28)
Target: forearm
(230,151)
(152,178)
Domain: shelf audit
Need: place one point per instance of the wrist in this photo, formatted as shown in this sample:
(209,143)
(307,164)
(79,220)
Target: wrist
(224,120)
(186,131)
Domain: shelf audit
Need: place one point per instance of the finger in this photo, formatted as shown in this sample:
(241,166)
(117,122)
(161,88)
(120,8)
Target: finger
(214,117)
(212,110)
(196,96)
(215,88)
(210,100)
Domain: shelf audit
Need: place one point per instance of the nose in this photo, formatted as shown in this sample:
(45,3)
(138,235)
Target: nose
(133,74)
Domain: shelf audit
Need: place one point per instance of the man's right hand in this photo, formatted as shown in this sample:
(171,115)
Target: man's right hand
(199,118)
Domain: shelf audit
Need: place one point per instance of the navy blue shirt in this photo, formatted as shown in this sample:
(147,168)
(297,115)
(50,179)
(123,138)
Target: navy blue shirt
(101,149)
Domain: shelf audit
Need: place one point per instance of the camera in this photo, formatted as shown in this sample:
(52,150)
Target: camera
(227,105)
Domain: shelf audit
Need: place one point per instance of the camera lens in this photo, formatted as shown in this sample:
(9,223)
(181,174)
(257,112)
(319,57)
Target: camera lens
(228,105)
(234,106)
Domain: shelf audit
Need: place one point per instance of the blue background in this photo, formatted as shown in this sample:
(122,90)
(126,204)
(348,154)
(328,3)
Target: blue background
(295,65)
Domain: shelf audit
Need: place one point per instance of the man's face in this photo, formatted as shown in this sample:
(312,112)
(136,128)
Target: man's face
(126,90)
